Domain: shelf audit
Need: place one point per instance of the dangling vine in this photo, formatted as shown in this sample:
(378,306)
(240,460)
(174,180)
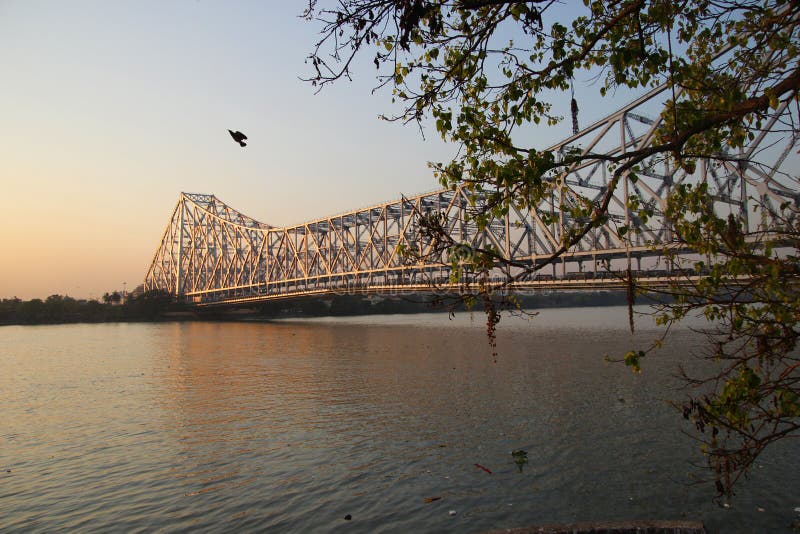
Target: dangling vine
(573,108)
(492,318)
(630,295)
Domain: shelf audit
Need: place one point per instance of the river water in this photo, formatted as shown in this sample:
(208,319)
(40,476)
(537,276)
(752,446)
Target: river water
(290,426)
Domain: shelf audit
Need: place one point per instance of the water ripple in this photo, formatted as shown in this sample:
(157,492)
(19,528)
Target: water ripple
(291,426)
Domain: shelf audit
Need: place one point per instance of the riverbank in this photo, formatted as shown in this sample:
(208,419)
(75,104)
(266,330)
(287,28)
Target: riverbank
(613,527)
(411,303)
(58,309)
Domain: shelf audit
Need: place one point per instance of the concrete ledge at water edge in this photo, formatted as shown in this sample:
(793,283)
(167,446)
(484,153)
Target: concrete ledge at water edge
(616,527)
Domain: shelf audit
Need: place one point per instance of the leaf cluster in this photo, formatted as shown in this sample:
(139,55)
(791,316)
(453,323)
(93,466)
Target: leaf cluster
(486,73)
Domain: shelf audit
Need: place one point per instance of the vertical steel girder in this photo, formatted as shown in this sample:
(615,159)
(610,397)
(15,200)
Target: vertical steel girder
(210,252)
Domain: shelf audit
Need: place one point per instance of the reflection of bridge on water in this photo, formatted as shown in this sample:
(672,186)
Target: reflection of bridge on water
(211,254)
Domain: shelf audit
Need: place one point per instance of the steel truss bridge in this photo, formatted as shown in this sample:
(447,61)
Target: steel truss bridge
(210,254)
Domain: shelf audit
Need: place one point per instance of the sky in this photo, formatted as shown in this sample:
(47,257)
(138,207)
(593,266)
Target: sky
(111,109)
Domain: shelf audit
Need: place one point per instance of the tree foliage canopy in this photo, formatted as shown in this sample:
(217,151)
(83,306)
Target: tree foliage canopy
(487,71)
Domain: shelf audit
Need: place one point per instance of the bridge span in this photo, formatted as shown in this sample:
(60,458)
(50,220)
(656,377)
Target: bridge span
(211,254)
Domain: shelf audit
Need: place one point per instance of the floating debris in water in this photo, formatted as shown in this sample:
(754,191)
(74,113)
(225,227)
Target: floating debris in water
(479,466)
(520,458)
(431,499)
(451,512)
(348,517)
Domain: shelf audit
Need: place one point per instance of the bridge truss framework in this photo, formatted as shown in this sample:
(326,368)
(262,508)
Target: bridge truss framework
(211,254)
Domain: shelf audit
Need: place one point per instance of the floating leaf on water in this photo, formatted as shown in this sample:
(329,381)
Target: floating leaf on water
(520,458)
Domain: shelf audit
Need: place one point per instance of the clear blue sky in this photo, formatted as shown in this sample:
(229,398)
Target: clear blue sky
(111,109)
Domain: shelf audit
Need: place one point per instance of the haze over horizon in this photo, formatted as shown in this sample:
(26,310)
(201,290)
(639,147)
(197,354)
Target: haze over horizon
(113,109)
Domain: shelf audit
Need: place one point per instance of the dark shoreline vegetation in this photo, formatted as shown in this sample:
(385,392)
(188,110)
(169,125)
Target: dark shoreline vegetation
(58,309)
(410,303)
(160,306)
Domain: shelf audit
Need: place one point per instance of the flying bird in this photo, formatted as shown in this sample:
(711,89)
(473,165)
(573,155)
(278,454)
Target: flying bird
(239,137)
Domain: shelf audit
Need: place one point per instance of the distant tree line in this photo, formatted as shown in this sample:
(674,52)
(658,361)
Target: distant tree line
(147,306)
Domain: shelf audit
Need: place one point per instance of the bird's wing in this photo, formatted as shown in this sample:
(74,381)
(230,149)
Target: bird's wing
(243,135)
